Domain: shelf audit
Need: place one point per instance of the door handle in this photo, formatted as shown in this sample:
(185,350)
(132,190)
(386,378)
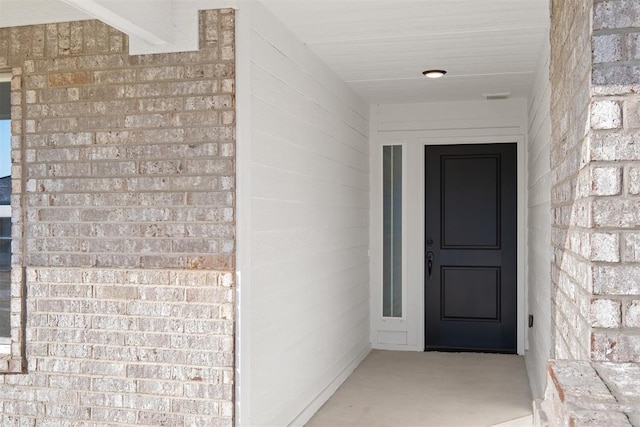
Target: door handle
(429,263)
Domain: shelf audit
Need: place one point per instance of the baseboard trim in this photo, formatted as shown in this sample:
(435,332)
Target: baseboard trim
(397,347)
(328,391)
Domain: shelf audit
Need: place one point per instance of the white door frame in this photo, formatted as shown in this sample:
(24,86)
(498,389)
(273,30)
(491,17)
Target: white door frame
(407,333)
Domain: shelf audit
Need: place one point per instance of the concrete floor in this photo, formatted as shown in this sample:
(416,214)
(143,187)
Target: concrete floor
(431,389)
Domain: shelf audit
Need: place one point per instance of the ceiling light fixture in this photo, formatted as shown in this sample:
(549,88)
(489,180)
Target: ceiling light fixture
(434,74)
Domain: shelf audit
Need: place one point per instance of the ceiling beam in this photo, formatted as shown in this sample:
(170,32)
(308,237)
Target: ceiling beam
(153,26)
(148,21)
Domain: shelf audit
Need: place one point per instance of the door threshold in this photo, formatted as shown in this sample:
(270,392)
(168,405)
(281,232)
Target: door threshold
(469,350)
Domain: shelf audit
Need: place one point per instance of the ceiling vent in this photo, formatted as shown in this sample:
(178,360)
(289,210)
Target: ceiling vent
(496,96)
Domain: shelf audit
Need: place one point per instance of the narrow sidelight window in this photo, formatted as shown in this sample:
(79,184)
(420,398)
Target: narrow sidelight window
(392,231)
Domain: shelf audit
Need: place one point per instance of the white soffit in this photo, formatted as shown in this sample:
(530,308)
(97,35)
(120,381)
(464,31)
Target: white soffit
(16,13)
(381,47)
(153,26)
(148,21)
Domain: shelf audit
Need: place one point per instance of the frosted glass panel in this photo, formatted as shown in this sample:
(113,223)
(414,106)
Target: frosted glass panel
(392,231)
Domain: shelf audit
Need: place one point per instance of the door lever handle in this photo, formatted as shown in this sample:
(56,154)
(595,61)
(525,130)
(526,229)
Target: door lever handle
(429,263)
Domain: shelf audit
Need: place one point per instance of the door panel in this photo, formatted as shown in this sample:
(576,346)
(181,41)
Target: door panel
(469,206)
(470,235)
(470,293)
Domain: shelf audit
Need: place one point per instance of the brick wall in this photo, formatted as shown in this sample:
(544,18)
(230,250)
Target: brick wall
(615,135)
(570,82)
(596,130)
(123,204)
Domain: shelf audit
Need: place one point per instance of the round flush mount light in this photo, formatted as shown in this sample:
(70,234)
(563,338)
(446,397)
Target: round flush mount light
(434,74)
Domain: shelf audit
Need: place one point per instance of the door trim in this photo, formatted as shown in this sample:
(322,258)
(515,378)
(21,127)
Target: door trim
(498,252)
(413,236)
(520,224)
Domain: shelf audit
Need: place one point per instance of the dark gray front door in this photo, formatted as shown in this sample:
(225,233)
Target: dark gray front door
(470,247)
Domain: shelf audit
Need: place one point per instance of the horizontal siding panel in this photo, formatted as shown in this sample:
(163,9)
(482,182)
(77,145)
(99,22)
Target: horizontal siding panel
(540,123)
(286,215)
(309,228)
(451,124)
(539,146)
(539,166)
(276,63)
(269,120)
(275,92)
(282,155)
(277,184)
(282,40)
(435,112)
(452,116)
(300,300)
(539,251)
(279,280)
(326,319)
(300,362)
(282,245)
(540,194)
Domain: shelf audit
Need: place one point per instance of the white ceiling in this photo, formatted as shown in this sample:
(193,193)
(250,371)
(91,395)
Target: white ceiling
(15,13)
(381,47)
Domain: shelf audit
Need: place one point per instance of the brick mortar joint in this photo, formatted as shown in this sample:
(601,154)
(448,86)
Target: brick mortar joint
(612,97)
(626,330)
(615,131)
(620,298)
(132,270)
(618,30)
(614,89)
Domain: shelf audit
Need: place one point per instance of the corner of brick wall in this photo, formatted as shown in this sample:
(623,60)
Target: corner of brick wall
(571,191)
(595,200)
(595,116)
(615,134)
(586,394)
